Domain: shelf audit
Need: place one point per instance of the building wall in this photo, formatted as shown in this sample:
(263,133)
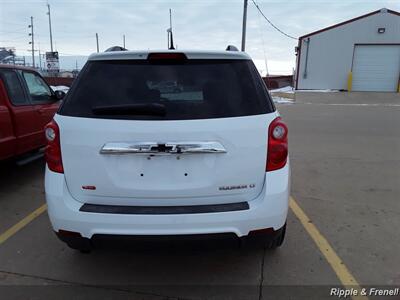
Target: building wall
(275,82)
(59,81)
(330,53)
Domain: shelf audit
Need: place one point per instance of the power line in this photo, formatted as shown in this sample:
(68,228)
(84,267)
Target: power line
(263,44)
(12,23)
(272,24)
(13,31)
(71,54)
(15,38)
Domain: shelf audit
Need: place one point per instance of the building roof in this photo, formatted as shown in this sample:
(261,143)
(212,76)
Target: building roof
(352,20)
(191,54)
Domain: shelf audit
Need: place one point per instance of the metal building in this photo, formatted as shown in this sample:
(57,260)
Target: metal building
(361,54)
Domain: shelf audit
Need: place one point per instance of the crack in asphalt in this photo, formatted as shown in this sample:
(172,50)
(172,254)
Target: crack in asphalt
(92,285)
(262,274)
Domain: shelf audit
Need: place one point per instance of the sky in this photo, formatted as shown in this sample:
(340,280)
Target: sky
(197,24)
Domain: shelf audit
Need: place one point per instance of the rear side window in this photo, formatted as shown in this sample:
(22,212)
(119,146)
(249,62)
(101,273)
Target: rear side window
(14,88)
(193,89)
(38,89)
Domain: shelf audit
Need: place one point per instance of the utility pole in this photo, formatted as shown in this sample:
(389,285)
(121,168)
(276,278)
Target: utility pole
(168,38)
(32,42)
(75,72)
(51,35)
(244,25)
(170,35)
(124,40)
(40,59)
(97,42)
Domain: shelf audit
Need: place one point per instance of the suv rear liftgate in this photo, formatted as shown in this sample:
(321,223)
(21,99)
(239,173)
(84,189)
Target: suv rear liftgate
(144,144)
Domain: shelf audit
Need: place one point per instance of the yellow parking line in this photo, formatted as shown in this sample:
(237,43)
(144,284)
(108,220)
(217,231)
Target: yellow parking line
(21,224)
(330,255)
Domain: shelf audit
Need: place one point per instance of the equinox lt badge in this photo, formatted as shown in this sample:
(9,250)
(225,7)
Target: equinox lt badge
(236,187)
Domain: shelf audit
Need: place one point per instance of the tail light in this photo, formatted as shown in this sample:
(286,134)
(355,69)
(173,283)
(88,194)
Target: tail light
(277,145)
(53,148)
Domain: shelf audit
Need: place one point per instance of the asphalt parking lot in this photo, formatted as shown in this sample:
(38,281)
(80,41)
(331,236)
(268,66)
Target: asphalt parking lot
(343,224)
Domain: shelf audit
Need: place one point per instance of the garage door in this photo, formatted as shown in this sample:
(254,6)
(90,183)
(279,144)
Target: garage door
(376,68)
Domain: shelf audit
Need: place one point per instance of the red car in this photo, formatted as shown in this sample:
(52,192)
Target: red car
(27,104)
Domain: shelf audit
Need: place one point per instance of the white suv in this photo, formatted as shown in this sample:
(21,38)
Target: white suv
(127,156)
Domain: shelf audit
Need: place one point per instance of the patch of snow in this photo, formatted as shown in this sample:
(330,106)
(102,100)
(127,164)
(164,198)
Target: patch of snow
(63,88)
(286,89)
(354,104)
(318,91)
(282,100)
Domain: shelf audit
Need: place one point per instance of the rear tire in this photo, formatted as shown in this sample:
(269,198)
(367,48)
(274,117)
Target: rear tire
(268,241)
(81,246)
(80,243)
(277,240)
(85,251)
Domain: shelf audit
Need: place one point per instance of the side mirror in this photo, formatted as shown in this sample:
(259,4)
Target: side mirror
(59,95)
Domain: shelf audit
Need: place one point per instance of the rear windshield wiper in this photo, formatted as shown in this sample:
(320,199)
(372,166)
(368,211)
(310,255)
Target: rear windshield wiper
(152,109)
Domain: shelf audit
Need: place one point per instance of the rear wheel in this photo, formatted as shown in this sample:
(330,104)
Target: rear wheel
(277,240)
(85,251)
(266,240)
(82,246)
(79,243)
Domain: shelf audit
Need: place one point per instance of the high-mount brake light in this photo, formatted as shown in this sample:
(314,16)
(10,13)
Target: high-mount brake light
(166,56)
(277,145)
(53,148)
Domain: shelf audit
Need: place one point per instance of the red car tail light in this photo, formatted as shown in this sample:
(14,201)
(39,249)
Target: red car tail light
(277,145)
(53,148)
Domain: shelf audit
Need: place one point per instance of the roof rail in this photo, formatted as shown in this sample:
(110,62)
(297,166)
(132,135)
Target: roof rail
(231,48)
(116,48)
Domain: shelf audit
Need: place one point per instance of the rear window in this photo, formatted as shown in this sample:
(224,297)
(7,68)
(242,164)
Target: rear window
(191,89)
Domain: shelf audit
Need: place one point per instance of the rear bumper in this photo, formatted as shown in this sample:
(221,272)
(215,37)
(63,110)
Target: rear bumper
(268,210)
